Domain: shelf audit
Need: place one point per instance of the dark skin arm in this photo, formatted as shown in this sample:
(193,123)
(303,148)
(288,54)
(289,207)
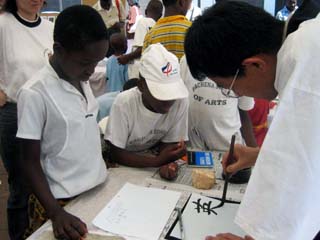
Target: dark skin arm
(169,153)
(125,59)
(65,225)
(246,129)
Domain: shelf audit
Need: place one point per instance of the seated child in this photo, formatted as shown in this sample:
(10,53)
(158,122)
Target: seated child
(154,113)
(58,132)
(214,117)
(106,100)
(117,74)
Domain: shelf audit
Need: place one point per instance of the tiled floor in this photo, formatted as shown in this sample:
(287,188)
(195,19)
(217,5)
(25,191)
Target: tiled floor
(3,203)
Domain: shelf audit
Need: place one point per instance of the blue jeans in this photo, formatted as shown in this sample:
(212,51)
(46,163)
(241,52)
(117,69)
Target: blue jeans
(17,206)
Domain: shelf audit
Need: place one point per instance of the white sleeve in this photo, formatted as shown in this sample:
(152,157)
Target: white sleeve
(31,114)
(117,130)
(140,33)
(287,169)
(179,129)
(245,103)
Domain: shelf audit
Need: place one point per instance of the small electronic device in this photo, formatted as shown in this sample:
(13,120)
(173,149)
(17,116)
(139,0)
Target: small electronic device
(200,159)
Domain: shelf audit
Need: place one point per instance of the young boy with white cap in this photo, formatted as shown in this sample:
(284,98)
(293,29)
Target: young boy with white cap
(154,113)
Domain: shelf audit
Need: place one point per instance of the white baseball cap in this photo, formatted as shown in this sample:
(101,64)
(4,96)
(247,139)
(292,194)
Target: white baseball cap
(161,70)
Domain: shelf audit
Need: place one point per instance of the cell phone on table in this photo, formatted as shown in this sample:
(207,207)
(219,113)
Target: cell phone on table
(200,159)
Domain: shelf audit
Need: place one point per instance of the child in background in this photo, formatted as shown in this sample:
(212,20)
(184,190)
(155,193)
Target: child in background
(154,113)
(171,29)
(113,15)
(133,17)
(58,132)
(117,74)
(214,117)
(153,13)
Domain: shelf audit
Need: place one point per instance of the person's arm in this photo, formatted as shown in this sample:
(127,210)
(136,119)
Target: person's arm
(169,153)
(126,58)
(3,98)
(228,236)
(247,129)
(65,225)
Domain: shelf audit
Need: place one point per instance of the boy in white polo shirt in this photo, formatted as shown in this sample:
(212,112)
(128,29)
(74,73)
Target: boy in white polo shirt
(57,126)
(154,113)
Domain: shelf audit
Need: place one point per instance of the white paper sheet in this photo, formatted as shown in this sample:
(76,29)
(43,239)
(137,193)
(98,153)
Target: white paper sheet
(139,212)
(199,219)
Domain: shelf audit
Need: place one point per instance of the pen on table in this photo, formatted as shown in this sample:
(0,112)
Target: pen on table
(180,223)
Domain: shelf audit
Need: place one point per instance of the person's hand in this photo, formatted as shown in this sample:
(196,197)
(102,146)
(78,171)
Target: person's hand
(169,171)
(3,98)
(123,59)
(171,153)
(228,236)
(67,226)
(244,157)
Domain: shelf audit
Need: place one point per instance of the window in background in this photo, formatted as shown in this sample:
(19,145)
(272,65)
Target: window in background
(59,5)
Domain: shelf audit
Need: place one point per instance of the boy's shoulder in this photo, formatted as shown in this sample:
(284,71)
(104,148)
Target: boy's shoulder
(128,97)
(174,19)
(42,81)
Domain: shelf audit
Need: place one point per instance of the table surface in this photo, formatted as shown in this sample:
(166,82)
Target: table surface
(90,203)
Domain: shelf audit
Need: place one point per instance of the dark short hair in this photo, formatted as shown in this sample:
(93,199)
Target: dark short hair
(168,3)
(118,42)
(78,26)
(226,34)
(155,6)
(10,6)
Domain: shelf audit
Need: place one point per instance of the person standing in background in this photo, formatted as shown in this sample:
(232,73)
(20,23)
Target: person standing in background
(194,11)
(111,12)
(26,43)
(170,30)
(290,7)
(116,74)
(133,17)
(153,13)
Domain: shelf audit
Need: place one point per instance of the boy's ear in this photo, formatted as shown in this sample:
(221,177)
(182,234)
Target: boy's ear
(57,48)
(257,62)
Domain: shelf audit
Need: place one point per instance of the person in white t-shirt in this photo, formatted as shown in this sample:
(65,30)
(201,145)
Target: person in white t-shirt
(282,197)
(153,13)
(25,42)
(194,12)
(57,127)
(214,117)
(154,113)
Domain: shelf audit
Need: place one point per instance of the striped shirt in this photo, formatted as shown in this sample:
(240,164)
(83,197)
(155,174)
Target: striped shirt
(170,32)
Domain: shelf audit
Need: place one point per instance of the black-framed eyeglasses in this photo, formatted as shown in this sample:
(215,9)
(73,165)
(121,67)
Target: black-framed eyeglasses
(227,92)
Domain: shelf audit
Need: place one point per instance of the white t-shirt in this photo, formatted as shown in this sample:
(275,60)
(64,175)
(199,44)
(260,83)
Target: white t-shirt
(24,51)
(133,127)
(53,111)
(143,26)
(282,198)
(194,12)
(213,118)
